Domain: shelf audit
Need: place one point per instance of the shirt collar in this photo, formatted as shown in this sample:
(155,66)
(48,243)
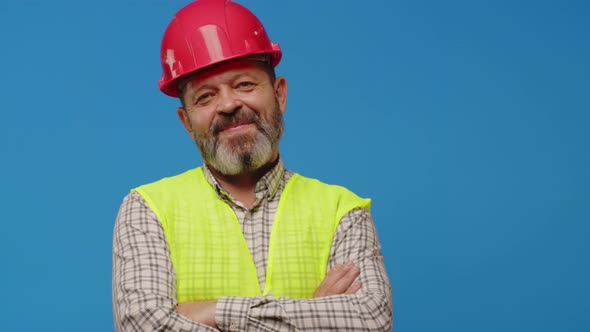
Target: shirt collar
(267,185)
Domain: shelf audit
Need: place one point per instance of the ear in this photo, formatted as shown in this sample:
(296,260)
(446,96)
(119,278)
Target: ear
(281,92)
(186,122)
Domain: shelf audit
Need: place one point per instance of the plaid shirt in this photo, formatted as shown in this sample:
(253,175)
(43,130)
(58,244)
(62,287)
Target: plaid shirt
(144,281)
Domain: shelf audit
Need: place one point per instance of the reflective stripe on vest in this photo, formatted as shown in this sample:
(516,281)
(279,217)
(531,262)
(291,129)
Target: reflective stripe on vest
(210,254)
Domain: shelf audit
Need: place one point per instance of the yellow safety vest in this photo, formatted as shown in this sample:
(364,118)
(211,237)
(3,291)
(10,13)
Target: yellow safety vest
(210,254)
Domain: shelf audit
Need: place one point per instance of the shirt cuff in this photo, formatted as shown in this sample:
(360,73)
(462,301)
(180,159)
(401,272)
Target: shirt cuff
(231,313)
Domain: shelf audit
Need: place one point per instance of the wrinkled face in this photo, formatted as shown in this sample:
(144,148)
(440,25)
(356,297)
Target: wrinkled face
(234,113)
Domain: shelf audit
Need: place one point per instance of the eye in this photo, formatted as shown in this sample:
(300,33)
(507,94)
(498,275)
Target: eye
(203,98)
(245,85)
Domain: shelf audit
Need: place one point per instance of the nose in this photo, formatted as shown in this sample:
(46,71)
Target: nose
(228,101)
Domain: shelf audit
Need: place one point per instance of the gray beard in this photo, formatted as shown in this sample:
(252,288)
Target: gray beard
(226,160)
(243,153)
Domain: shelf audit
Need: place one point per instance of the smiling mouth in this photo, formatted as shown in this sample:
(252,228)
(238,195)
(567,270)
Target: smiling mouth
(235,127)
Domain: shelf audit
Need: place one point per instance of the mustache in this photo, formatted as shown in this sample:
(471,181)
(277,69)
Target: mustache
(233,119)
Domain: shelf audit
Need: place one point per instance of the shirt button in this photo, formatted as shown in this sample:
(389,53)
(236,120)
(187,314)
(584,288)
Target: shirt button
(233,327)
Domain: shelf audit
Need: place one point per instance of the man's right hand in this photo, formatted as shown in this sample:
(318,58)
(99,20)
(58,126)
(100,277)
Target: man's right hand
(340,280)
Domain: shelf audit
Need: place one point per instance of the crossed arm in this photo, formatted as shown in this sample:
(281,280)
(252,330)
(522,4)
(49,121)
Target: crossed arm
(339,280)
(144,290)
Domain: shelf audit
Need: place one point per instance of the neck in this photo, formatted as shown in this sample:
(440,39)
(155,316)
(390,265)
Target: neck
(242,187)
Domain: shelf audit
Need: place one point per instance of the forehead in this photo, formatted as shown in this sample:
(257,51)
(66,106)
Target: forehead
(228,70)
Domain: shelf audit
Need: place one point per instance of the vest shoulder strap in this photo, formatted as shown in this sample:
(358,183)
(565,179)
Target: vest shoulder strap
(307,217)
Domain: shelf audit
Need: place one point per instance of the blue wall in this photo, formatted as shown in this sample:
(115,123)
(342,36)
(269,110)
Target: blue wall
(466,122)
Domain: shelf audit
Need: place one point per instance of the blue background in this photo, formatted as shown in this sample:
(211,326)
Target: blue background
(466,122)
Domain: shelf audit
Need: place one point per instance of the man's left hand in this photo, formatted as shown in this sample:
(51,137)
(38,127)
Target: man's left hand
(200,311)
(340,280)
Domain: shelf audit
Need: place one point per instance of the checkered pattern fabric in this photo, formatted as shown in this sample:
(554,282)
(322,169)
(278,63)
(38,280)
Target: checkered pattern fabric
(144,280)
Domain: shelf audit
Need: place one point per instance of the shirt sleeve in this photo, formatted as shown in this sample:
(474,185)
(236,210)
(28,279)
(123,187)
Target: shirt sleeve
(144,280)
(370,309)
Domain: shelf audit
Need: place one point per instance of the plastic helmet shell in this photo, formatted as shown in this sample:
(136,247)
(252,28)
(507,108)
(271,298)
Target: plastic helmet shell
(207,32)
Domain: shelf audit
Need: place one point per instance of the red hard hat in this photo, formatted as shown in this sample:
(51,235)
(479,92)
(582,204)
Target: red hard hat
(206,32)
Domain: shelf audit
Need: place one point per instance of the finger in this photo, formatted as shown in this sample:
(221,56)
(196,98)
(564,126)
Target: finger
(339,282)
(355,287)
(335,274)
(345,281)
(331,277)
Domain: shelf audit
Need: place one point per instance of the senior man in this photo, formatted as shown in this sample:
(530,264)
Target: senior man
(241,243)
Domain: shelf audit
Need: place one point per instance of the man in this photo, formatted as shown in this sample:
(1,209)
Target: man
(195,252)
